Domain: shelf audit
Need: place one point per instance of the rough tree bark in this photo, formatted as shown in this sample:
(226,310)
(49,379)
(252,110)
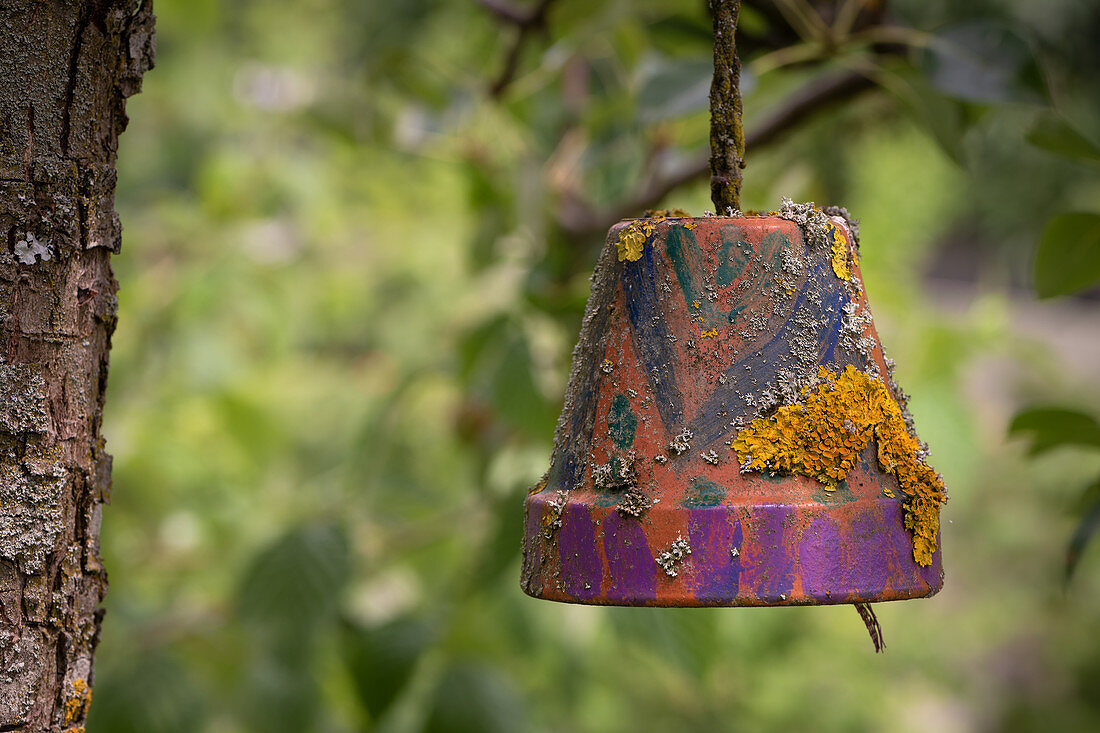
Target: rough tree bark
(67,69)
(727,134)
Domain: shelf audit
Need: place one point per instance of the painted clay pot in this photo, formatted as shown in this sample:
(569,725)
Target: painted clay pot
(732,434)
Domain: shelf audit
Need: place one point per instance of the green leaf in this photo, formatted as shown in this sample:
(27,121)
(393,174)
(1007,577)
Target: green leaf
(252,425)
(382,659)
(496,360)
(296,582)
(476,342)
(289,595)
(474,698)
(1052,427)
(984,62)
(941,116)
(1052,133)
(682,34)
(1086,528)
(377,445)
(1068,258)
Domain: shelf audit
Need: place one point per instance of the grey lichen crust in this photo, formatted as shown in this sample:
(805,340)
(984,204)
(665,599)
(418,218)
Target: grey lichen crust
(22,399)
(31,486)
(671,559)
(805,331)
(633,503)
(812,220)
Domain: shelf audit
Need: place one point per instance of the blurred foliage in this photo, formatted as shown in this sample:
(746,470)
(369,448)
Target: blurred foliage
(1053,134)
(350,290)
(1068,258)
(1053,427)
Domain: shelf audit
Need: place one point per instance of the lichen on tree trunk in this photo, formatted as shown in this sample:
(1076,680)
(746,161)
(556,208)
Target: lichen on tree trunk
(67,69)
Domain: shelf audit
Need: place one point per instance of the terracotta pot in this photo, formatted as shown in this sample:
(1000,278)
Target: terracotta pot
(695,328)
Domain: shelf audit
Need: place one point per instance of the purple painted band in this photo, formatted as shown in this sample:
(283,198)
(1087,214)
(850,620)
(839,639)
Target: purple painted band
(748,555)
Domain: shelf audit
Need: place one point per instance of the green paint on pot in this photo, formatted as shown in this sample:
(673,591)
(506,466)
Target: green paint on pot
(605,501)
(621,422)
(680,245)
(772,247)
(703,493)
(730,268)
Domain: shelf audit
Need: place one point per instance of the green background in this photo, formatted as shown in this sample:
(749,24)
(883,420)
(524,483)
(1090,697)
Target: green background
(347,307)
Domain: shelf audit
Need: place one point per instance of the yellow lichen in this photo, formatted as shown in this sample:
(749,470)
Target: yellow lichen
(632,238)
(823,437)
(709,334)
(76,705)
(840,252)
(631,242)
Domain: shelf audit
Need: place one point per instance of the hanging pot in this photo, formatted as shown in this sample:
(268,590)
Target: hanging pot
(732,434)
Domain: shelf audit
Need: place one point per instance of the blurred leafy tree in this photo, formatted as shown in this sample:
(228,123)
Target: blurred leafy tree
(1067,261)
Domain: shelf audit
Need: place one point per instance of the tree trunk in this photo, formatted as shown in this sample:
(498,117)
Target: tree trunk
(67,69)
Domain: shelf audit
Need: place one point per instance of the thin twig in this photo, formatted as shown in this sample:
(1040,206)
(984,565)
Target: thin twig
(800,107)
(803,18)
(526,21)
(796,53)
(508,12)
(846,18)
(873,627)
(727,136)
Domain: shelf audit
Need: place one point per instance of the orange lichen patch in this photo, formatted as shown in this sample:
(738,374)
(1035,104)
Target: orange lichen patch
(632,238)
(823,437)
(76,704)
(709,334)
(840,252)
(631,242)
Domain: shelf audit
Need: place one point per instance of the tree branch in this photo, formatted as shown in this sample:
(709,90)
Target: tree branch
(800,107)
(526,21)
(510,13)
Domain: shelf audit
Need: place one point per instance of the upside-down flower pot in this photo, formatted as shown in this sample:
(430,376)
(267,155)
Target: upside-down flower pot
(732,433)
